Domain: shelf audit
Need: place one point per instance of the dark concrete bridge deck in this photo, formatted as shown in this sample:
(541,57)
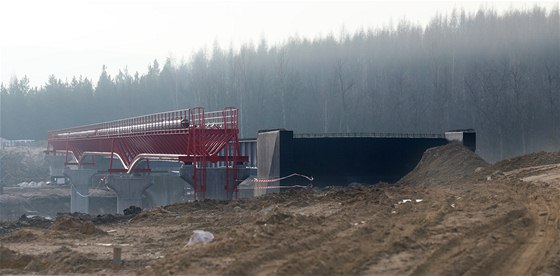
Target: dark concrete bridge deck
(342,159)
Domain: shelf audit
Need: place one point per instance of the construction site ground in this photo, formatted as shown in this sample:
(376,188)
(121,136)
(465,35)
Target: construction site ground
(454,214)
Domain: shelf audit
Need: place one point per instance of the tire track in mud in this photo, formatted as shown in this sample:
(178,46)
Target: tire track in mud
(350,247)
(399,251)
(536,256)
(482,249)
(314,254)
(327,242)
(276,255)
(521,243)
(375,233)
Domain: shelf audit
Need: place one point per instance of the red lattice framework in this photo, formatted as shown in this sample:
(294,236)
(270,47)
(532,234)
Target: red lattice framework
(192,136)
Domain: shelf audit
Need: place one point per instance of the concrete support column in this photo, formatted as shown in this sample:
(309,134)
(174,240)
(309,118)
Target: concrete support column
(215,182)
(275,158)
(56,165)
(167,189)
(79,197)
(186,173)
(129,189)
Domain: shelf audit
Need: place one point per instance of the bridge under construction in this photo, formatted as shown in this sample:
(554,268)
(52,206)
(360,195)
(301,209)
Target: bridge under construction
(208,160)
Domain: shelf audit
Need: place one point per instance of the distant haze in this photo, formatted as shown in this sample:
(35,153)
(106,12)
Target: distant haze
(73,38)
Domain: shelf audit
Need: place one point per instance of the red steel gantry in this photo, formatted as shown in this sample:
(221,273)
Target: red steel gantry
(189,135)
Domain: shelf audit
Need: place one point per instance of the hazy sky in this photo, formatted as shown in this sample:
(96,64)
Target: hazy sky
(72,38)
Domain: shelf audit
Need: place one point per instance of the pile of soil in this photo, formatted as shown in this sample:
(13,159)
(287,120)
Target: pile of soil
(445,165)
(22,235)
(42,222)
(65,260)
(60,261)
(529,160)
(286,230)
(68,223)
(132,210)
(34,221)
(24,221)
(10,259)
(101,219)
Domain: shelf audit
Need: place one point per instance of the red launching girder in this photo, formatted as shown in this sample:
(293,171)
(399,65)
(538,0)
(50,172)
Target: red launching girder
(189,135)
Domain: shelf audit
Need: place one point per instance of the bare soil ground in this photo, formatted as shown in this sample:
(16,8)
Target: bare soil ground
(454,214)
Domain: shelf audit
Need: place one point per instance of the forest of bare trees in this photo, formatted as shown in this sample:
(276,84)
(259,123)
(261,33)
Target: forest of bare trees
(496,73)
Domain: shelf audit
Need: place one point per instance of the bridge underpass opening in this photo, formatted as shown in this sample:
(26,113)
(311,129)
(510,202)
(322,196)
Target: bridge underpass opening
(341,159)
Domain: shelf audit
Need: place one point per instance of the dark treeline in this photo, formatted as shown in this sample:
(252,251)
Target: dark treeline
(498,74)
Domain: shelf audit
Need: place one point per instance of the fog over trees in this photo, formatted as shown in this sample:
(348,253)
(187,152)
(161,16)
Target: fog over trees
(496,73)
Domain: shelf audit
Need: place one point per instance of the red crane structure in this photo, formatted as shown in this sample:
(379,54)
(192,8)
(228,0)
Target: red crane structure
(192,136)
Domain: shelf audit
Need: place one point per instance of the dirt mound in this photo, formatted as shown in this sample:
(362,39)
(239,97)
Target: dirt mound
(300,195)
(100,219)
(34,221)
(22,235)
(445,164)
(24,221)
(64,260)
(68,223)
(132,210)
(153,215)
(12,260)
(60,261)
(529,160)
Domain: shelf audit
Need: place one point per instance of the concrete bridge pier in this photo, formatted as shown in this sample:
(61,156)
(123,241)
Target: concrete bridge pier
(167,189)
(215,182)
(79,197)
(129,189)
(186,173)
(56,166)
